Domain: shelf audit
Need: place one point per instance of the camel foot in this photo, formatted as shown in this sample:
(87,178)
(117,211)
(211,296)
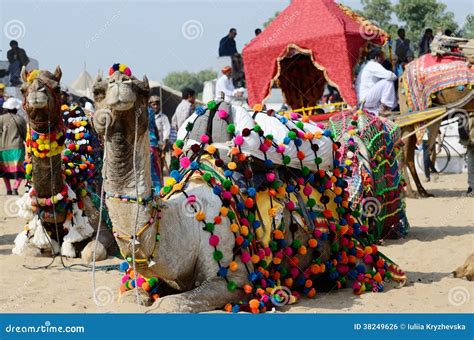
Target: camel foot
(130,296)
(172,304)
(426,194)
(87,254)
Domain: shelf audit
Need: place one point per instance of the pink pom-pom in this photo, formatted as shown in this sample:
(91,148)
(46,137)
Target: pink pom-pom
(191,199)
(293,115)
(245,257)
(288,251)
(140,281)
(280,149)
(227,195)
(244,221)
(300,134)
(263,147)
(290,205)
(367,258)
(268,251)
(321,126)
(270,177)
(222,114)
(261,254)
(214,240)
(204,139)
(238,140)
(317,233)
(184,162)
(125,278)
(294,272)
(307,190)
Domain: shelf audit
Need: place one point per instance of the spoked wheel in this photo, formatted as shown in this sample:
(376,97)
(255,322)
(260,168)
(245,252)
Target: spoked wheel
(442,162)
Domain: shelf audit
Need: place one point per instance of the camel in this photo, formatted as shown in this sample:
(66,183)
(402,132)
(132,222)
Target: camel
(56,221)
(466,270)
(458,97)
(172,243)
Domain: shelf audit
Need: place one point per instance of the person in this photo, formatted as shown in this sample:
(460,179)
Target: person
(17,58)
(184,109)
(448,32)
(375,85)
(466,138)
(402,46)
(425,41)
(257,31)
(225,85)
(227,46)
(428,166)
(2,97)
(12,147)
(159,131)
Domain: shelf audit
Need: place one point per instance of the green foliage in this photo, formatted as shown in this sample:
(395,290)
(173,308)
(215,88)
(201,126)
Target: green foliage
(378,11)
(180,79)
(421,14)
(467,30)
(266,23)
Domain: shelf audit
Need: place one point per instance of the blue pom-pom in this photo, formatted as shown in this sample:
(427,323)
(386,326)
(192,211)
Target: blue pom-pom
(228,173)
(286,140)
(132,283)
(256,224)
(124,266)
(240,206)
(252,277)
(461,87)
(290,188)
(194,165)
(245,244)
(251,192)
(176,175)
(217,190)
(269,163)
(312,215)
(327,133)
(200,110)
(301,280)
(298,142)
(324,236)
(235,309)
(360,268)
(338,199)
(222,272)
(284,120)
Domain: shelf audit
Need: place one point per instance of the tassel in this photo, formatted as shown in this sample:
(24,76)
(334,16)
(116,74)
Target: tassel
(67,249)
(21,242)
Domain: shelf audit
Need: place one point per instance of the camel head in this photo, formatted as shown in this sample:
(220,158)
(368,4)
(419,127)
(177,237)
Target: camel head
(42,102)
(119,98)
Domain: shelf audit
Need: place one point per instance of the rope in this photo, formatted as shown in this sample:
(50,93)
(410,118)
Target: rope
(137,113)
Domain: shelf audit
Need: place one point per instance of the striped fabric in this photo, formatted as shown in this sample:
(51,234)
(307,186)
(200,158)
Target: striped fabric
(11,163)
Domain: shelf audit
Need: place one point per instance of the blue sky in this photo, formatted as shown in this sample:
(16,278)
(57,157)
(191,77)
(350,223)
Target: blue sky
(152,37)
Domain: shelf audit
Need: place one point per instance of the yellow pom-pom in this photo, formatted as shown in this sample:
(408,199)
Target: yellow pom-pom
(200,215)
(170,181)
(234,227)
(232,166)
(122,67)
(224,211)
(211,149)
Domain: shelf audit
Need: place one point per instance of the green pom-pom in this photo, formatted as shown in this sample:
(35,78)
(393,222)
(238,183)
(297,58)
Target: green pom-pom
(273,245)
(286,160)
(211,105)
(189,126)
(270,137)
(232,286)
(311,202)
(335,247)
(283,272)
(209,227)
(318,160)
(231,215)
(227,183)
(167,189)
(296,244)
(207,176)
(179,143)
(217,255)
(292,135)
(251,217)
(257,128)
(306,171)
(300,125)
(231,128)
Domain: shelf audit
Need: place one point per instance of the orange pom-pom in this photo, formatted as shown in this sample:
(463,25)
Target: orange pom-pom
(247,289)
(302,250)
(289,282)
(313,243)
(254,303)
(278,234)
(308,283)
(146,286)
(311,293)
(315,269)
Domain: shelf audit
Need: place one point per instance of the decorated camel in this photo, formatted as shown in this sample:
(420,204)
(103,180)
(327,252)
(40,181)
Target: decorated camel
(62,217)
(227,231)
(431,81)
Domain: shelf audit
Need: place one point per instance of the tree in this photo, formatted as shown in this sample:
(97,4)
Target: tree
(180,79)
(421,14)
(266,23)
(467,30)
(378,11)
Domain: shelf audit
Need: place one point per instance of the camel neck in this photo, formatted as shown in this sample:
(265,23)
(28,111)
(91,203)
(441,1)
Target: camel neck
(122,177)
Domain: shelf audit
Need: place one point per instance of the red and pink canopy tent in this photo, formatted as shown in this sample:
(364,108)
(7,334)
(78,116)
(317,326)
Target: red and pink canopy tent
(331,37)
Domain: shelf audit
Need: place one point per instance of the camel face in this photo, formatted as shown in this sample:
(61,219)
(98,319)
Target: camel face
(41,92)
(120,95)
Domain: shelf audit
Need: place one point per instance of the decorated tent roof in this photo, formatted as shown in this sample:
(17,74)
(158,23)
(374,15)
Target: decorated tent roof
(82,86)
(332,33)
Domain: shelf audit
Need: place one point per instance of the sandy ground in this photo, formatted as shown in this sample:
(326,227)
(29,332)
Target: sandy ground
(440,239)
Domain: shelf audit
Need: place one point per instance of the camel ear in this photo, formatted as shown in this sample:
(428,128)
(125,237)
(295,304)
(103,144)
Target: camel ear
(58,73)
(145,82)
(98,89)
(24,75)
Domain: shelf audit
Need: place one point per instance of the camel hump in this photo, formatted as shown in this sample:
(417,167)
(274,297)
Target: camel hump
(212,125)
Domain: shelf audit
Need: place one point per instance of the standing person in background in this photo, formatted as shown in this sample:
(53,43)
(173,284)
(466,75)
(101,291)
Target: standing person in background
(159,137)
(184,109)
(225,85)
(12,146)
(17,58)
(402,47)
(2,97)
(227,46)
(425,42)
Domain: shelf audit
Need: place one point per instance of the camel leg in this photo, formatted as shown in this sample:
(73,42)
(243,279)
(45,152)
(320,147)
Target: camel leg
(211,294)
(410,161)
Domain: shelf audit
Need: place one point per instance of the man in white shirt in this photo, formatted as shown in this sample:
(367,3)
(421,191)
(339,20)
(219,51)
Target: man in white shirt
(224,84)
(375,85)
(184,109)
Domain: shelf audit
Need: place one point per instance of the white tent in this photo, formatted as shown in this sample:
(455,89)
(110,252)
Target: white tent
(82,86)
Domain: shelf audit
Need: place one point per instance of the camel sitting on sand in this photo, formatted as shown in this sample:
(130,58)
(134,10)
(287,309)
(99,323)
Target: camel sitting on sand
(60,219)
(466,270)
(160,237)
